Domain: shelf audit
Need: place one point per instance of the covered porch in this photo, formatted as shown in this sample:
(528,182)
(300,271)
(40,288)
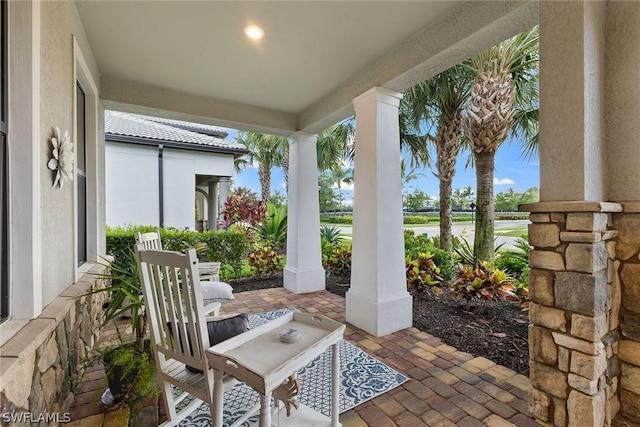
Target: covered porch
(446,387)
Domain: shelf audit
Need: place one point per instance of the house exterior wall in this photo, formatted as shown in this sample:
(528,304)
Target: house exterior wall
(52,327)
(60,23)
(133,190)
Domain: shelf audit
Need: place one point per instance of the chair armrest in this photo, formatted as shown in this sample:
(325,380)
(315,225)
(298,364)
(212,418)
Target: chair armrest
(214,308)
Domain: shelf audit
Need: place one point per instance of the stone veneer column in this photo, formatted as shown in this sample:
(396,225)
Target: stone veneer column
(377,300)
(575,299)
(626,305)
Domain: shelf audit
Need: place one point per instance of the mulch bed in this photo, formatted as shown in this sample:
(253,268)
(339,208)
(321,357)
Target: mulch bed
(499,333)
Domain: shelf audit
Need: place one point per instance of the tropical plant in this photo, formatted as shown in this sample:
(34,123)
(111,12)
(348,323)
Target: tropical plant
(479,283)
(423,273)
(331,234)
(339,262)
(242,208)
(441,100)
(265,260)
(129,366)
(414,245)
(267,151)
(273,229)
(335,145)
(503,101)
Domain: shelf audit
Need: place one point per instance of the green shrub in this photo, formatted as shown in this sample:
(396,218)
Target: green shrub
(423,273)
(339,261)
(337,219)
(415,219)
(228,247)
(511,217)
(417,244)
(266,261)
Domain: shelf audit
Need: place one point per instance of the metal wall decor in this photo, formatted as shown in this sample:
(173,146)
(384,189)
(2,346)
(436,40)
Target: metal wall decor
(62,161)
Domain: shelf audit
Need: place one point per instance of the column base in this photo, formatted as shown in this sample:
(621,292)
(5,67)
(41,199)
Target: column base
(301,282)
(380,317)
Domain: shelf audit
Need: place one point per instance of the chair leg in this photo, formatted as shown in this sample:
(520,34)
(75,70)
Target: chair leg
(167,396)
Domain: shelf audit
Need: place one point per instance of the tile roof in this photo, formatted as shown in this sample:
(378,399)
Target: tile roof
(175,132)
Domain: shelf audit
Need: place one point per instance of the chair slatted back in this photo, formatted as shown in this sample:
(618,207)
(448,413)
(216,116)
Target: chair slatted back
(175,310)
(150,240)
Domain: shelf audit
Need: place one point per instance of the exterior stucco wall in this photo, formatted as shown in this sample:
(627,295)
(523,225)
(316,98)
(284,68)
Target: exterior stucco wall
(623,101)
(133,190)
(59,24)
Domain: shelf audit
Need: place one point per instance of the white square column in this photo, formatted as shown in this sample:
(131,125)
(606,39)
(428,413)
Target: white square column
(377,300)
(303,272)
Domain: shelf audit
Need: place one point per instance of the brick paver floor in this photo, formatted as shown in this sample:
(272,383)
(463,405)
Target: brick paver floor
(446,387)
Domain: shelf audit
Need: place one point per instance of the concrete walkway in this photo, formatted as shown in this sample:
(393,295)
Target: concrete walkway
(446,387)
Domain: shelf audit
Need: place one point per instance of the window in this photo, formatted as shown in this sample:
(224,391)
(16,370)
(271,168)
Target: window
(81,174)
(4,187)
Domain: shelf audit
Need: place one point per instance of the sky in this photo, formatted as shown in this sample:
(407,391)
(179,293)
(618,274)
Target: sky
(511,171)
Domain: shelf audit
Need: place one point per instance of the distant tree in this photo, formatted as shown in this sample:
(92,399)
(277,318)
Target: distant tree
(339,176)
(508,201)
(278,198)
(416,200)
(327,196)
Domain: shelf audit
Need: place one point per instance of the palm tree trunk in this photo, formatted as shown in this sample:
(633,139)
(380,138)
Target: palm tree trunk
(445,216)
(264,175)
(483,240)
(285,168)
(447,143)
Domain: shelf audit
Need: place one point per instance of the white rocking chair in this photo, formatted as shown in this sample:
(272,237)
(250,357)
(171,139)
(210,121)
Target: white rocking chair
(209,272)
(176,313)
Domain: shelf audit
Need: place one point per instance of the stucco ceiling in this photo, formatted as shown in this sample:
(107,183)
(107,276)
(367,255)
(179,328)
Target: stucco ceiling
(191,60)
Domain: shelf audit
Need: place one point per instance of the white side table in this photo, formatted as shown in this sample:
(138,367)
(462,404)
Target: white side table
(258,358)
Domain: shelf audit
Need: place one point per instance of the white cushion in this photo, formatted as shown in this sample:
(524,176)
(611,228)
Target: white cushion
(216,291)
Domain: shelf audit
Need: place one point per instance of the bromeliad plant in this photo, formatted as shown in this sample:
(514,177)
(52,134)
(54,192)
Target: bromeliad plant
(423,273)
(482,282)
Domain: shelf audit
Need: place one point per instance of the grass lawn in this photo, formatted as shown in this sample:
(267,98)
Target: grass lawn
(512,231)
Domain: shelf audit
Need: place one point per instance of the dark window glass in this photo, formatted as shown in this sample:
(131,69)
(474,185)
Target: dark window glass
(81,176)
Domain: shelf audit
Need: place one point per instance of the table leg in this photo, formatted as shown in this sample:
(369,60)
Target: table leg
(265,410)
(216,399)
(335,384)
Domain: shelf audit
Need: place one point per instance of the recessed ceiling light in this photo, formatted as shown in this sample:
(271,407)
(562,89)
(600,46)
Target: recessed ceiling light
(254,32)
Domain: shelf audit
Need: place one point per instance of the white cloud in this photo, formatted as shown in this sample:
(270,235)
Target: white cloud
(347,203)
(503,181)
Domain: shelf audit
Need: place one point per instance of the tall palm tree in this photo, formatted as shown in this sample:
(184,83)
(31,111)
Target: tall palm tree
(440,101)
(265,150)
(335,145)
(503,102)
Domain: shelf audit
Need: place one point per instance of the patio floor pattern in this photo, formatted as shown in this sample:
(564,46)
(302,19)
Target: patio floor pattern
(447,387)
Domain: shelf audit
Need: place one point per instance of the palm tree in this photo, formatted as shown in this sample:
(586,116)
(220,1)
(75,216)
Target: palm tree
(440,100)
(339,176)
(265,150)
(503,102)
(335,145)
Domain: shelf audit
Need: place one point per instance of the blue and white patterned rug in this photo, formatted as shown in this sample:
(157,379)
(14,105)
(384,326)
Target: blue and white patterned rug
(362,378)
